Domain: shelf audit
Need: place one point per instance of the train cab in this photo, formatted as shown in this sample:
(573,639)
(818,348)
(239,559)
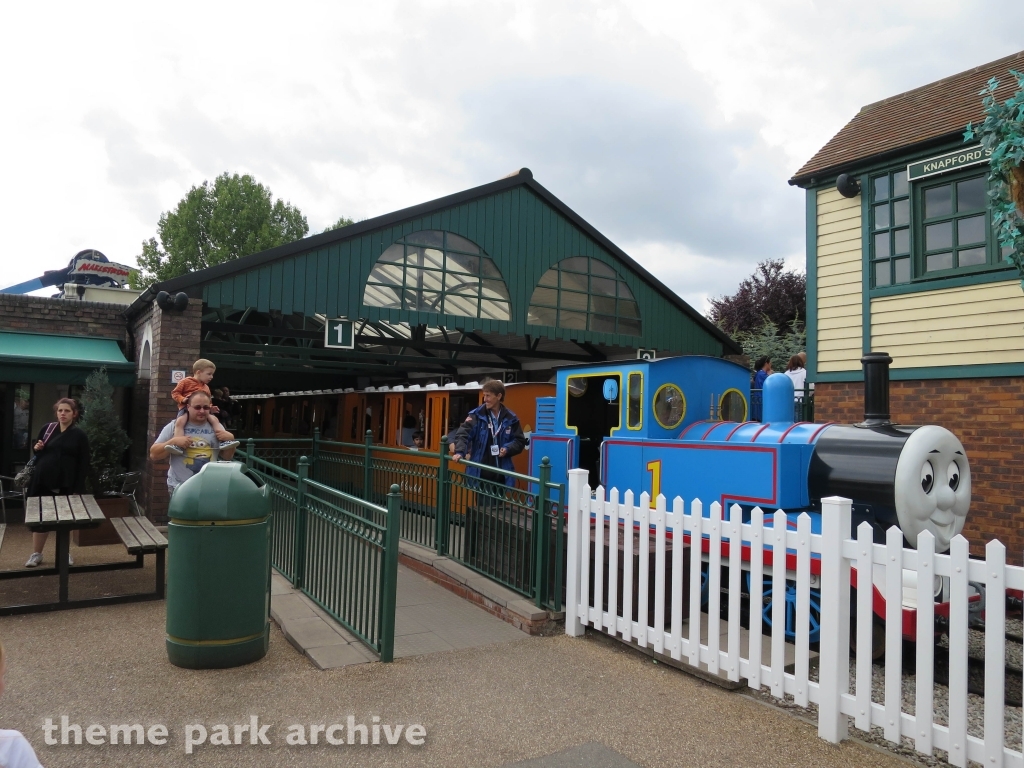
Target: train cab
(632,402)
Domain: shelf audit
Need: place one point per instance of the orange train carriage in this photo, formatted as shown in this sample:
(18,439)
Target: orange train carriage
(391,414)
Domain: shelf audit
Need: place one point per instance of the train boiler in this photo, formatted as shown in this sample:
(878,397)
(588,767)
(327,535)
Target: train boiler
(678,427)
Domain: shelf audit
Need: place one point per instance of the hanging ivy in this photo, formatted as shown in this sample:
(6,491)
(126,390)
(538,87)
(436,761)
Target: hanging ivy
(1002,134)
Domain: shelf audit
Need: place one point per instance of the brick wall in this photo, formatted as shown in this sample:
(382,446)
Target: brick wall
(38,314)
(986,415)
(175,344)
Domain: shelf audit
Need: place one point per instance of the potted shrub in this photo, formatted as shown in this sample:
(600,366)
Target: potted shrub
(107,444)
(1002,134)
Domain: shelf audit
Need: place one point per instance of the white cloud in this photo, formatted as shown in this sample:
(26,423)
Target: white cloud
(672,127)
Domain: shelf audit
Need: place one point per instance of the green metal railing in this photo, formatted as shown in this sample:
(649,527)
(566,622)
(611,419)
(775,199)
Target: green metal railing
(281,452)
(487,525)
(513,534)
(284,504)
(339,549)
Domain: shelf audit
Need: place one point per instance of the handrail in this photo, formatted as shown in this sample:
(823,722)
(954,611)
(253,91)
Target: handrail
(506,472)
(354,500)
(337,443)
(257,460)
(276,439)
(383,448)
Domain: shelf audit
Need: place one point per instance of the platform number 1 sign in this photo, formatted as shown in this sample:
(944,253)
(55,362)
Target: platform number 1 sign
(339,334)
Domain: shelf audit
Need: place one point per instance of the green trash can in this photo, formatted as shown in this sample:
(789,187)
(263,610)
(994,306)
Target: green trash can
(218,569)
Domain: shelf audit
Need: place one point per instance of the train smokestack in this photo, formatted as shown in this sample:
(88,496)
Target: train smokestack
(876,389)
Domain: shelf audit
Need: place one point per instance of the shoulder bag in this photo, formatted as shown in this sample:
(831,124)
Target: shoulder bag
(23,478)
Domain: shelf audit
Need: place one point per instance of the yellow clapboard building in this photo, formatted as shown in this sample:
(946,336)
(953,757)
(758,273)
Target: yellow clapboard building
(902,258)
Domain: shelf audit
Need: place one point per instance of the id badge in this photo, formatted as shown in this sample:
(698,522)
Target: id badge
(494,450)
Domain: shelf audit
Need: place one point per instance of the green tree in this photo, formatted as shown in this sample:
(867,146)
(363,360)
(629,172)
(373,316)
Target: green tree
(770,293)
(233,217)
(767,340)
(1002,134)
(342,221)
(107,440)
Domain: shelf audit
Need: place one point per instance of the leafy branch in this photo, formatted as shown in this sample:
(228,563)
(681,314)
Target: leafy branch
(1002,134)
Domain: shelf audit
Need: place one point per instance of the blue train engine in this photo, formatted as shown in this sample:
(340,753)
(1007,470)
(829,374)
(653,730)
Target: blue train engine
(679,426)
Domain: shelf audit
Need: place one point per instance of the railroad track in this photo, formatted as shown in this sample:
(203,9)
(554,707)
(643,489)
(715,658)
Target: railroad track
(1013,676)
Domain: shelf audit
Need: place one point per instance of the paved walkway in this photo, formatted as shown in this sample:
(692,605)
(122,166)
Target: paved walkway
(486,693)
(429,619)
(559,701)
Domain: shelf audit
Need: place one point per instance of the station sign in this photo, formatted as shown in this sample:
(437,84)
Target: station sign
(951,161)
(339,334)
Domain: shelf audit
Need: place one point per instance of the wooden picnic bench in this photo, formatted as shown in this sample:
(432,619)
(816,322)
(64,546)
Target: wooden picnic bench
(63,514)
(140,537)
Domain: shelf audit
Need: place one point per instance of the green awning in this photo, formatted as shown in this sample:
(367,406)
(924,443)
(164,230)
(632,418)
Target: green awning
(32,357)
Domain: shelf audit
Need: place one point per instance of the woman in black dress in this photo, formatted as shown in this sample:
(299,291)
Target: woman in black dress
(62,464)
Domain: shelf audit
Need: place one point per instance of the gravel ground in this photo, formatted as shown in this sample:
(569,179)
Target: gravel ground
(481,707)
(17,546)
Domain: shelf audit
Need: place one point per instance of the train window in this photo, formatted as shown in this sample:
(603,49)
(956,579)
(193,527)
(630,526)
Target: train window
(634,416)
(669,406)
(577,386)
(732,406)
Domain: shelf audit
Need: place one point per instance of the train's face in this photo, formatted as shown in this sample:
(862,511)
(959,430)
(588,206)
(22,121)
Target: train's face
(933,486)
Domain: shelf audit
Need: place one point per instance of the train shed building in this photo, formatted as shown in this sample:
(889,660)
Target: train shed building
(902,258)
(502,280)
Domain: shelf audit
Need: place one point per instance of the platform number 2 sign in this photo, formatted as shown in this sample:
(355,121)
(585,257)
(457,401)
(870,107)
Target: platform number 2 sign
(339,334)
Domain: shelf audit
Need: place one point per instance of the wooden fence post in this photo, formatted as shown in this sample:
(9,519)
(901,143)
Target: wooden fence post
(577,482)
(834,664)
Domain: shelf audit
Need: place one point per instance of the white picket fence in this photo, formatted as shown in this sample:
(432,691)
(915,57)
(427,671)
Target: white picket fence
(593,518)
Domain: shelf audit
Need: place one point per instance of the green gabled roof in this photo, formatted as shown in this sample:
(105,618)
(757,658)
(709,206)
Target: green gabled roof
(517,222)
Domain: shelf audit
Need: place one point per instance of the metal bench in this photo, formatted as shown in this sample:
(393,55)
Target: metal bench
(140,537)
(3,530)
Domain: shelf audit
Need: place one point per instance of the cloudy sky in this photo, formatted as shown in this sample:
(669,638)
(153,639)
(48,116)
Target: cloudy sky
(671,126)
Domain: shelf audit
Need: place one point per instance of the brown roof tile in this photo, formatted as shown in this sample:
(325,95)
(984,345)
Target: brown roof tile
(928,112)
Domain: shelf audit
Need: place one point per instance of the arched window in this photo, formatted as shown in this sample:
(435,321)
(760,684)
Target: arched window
(584,293)
(435,271)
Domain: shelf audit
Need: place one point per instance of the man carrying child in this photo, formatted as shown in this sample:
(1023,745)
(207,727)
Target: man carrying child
(196,448)
(199,381)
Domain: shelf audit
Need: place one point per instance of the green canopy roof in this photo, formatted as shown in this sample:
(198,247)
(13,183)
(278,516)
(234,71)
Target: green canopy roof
(32,357)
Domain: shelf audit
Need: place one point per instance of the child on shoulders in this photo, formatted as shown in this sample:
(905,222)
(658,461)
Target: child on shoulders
(199,381)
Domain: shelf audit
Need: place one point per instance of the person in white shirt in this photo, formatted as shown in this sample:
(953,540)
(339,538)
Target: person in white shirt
(15,751)
(798,374)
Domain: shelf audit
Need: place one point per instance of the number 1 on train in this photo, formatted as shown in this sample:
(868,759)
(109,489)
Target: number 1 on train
(654,467)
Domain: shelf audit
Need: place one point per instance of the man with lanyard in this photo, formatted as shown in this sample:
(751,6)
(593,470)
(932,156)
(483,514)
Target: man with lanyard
(491,435)
(199,444)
